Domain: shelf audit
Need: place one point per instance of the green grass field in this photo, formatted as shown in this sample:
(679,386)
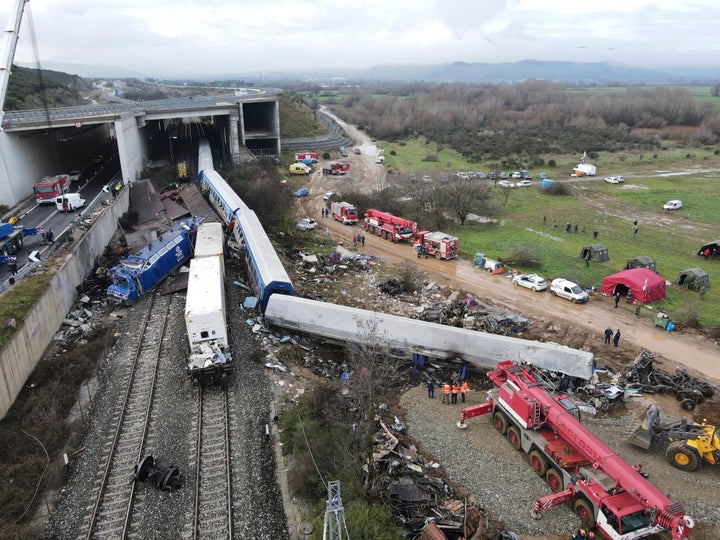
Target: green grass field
(672,240)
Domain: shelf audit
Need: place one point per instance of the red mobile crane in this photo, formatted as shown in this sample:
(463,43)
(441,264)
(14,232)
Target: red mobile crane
(389,226)
(606,492)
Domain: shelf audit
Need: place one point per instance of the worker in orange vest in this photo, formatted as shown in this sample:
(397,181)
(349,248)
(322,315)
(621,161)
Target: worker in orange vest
(455,390)
(446,393)
(463,390)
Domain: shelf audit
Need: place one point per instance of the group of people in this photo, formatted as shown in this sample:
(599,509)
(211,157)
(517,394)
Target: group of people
(707,253)
(580,534)
(609,334)
(324,212)
(358,239)
(449,391)
(421,250)
(569,227)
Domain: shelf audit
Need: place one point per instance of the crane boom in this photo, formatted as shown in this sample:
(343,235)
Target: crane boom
(8,51)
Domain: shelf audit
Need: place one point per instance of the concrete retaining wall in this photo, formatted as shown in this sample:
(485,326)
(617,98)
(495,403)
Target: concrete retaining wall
(22,353)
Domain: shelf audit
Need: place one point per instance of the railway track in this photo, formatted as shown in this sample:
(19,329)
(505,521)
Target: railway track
(212,514)
(112,511)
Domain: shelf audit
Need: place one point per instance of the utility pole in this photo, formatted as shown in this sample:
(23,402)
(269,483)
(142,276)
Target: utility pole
(334,513)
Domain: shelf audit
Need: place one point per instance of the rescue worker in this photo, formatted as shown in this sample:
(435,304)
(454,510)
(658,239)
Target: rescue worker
(579,535)
(455,390)
(419,250)
(65,206)
(12,264)
(430,389)
(446,393)
(463,390)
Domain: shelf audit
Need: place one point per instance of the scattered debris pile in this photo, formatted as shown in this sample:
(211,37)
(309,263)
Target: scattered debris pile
(424,503)
(471,314)
(690,391)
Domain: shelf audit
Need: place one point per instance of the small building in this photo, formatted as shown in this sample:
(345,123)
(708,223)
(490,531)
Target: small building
(694,278)
(641,262)
(595,253)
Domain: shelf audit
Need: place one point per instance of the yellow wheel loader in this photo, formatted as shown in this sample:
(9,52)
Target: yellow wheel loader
(690,443)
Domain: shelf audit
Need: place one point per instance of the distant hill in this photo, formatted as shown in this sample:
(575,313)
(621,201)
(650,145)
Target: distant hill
(28,89)
(598,73)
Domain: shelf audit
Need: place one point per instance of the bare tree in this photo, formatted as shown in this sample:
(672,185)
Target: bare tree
(463,196)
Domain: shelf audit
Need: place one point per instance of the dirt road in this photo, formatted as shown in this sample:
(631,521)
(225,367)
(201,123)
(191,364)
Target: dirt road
(586,323)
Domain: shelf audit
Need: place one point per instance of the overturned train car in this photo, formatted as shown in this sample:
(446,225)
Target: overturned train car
(409,336)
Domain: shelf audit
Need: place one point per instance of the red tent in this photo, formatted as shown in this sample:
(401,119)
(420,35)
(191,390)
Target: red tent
(646,286)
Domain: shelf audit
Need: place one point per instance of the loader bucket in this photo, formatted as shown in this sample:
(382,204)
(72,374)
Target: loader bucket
(643,435)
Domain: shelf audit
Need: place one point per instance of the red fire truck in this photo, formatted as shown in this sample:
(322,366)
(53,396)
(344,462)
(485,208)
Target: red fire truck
(605,492)
(305,156)
(335,167)
(389,226)
(437,244)
(50,187)
(345,212)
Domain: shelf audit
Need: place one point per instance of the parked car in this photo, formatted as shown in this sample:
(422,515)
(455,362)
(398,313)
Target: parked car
(568,290)
(463,176)
(306,224)
(302,192)
(357,151)
(541,176)
(614,179)
(530,281)
(672,205)
(74,176)
(426,178)
(380,159)
(524,183)
(517,175)
(328,195)
(503,176)
(480,176)
(506,184)
(525,175)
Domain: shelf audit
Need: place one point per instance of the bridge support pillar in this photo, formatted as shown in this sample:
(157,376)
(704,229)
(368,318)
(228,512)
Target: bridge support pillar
(236,136)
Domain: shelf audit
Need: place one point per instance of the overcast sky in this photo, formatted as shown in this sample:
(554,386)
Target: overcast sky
(179,37)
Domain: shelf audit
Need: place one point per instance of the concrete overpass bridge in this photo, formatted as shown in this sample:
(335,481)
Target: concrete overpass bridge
(39,143)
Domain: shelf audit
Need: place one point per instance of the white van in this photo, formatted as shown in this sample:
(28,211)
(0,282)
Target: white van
(69,202)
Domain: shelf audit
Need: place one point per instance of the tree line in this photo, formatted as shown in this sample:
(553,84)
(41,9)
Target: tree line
(532,117)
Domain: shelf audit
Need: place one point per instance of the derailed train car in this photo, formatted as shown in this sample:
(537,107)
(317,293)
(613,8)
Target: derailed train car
(205,317)
(267,273)
(205,320)
(404,336)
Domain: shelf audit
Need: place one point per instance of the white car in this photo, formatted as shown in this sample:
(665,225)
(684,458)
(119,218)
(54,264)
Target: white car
(530,281)
(524,183)
(306,224)
(506,184)
(568,290)
(672,205)
(327,195)
(517,175)
(614,179)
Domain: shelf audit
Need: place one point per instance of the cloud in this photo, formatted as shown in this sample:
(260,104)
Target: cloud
(166,37)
